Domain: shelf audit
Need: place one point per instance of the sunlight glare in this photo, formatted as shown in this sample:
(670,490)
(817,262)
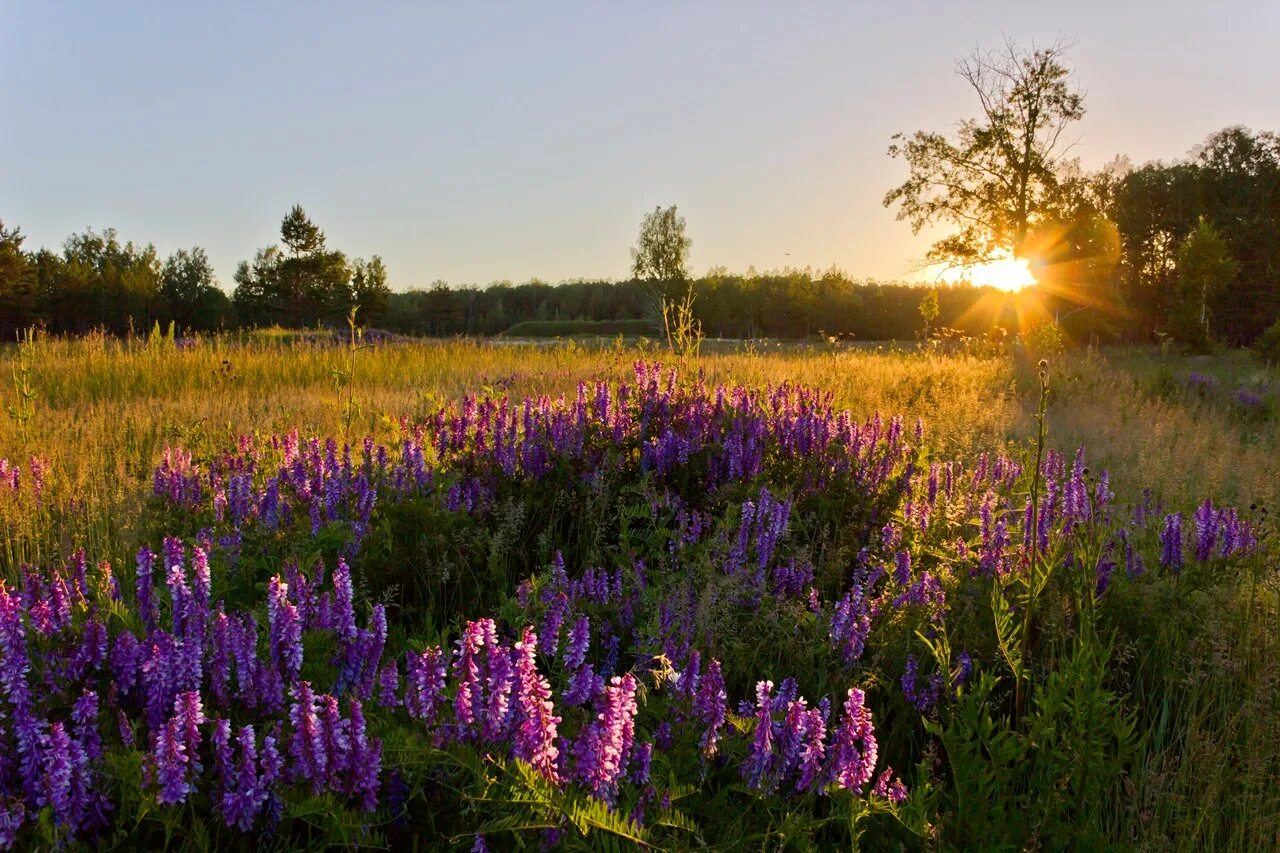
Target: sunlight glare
(1007,273)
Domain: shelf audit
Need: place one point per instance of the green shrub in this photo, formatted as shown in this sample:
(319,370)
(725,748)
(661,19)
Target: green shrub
(1045,339)
(1267,346)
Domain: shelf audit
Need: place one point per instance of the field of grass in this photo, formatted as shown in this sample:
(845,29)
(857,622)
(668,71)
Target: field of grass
(104,410)
(1136,712)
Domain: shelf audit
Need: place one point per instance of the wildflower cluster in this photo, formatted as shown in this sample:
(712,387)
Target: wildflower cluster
(623,682)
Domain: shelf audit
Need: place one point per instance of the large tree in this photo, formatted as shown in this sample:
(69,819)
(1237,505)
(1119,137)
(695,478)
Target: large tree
(369,289)
(190,290)
(1154,207)
(662,250)
(1240,196)
(308,284)
(1205,268)
(17,284)
(999,177)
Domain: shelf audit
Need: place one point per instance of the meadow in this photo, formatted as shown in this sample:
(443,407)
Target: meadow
(268,590)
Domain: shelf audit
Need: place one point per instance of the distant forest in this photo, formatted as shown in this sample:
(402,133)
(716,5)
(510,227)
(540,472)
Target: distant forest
(1223,200)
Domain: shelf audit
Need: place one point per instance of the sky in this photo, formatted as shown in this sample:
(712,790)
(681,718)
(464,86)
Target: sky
(474,142)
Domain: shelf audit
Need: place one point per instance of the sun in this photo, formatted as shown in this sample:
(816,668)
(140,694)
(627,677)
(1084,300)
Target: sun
(1006,273)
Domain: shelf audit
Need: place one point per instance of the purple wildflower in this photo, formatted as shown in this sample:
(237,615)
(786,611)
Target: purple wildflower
(344,624)
(12,816)
(1171,542)
(389,685)
(220,739)
(552,620)
(641,758)
(188,712)
(366,759)
(758,767)
(466,669)
(922,697)
(709,707)
(850,625)
(535,730)
(579,639)
(889,787)
(84,717)
(584,686)
(59,766)
(964,668)
(1206,530)
(602,747)
(1106,567)
(854,748)
(424,684)
(499,679)
(286,629)
(170,756)
(308,744)
(243,795)
(146,600)
(335,738)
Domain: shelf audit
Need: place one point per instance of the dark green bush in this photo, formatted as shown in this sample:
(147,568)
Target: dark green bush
(1267,346)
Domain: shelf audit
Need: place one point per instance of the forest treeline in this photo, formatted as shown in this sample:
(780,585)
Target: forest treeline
(785,304)
(1124,272)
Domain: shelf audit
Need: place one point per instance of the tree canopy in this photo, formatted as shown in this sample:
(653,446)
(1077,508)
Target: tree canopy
(307,283)
(190,289)
(999,176)
(662,250)
(1232,180)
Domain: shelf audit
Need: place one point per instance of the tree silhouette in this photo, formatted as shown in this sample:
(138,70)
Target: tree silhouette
(999,178)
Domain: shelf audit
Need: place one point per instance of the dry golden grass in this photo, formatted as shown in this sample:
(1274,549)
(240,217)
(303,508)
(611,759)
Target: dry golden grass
(1137,418)
(105,409)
